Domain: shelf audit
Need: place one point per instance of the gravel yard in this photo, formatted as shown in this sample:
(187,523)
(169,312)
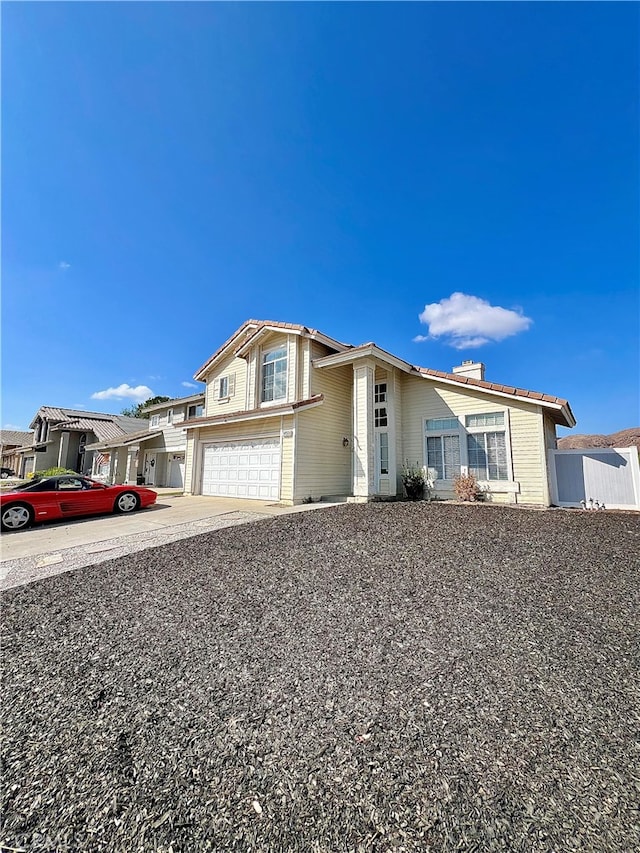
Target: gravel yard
(382,677)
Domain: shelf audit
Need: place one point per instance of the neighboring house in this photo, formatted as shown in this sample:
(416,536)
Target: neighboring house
(61,438)
(10,442)
(292,414)
(155,455)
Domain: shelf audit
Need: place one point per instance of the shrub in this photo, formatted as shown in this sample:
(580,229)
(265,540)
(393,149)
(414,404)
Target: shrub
(413,480)
(52,472)
(466,487)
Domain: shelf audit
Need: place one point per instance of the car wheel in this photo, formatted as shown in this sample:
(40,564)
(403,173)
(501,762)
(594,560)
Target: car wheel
(16,517)
(127,502)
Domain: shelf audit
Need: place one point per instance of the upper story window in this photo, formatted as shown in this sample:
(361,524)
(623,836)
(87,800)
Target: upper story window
(155,420)
(225,387)
(195,411)
(170,416)
(380,417)
(274,375)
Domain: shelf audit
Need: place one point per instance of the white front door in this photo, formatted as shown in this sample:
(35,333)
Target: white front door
(176,471)
(150,468)
(242,469)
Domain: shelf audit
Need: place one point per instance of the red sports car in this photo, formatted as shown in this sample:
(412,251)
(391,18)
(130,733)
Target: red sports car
(65,497)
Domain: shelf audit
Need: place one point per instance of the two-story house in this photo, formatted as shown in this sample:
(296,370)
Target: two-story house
(62,438)
(292,414)
(11,441)
(155,454)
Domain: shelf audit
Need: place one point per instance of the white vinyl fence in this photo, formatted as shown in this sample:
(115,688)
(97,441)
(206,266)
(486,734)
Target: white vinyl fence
(610,476)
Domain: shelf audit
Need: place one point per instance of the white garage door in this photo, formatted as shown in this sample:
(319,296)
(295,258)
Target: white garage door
(242,469)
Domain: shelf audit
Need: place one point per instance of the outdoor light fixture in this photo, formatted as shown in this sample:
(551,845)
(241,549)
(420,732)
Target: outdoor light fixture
(345,442)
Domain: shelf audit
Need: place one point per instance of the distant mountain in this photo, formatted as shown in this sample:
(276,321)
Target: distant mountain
(624,438)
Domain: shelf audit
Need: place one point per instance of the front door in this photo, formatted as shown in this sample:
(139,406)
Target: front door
(150,468)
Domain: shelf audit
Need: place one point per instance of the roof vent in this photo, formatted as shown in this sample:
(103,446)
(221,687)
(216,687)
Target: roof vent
(472,369)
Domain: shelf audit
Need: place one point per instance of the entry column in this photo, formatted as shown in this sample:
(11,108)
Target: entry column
(363,436)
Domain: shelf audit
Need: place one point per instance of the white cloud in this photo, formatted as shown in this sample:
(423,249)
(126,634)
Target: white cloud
(190,385)
(14,428)
(467,322)
(64,266)
(124,392)
(79,406)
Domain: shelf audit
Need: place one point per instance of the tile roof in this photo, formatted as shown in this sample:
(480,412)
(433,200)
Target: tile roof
(492,386)
(16,438)
(251,327)
(121,440)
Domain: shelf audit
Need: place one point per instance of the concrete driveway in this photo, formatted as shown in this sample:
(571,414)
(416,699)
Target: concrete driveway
(56,547)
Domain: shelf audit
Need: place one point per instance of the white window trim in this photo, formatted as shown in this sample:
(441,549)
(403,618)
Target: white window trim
(154,421)
(260,373)
(496,486)
(169,417)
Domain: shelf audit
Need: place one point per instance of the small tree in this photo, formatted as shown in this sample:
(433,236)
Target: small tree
(138,411)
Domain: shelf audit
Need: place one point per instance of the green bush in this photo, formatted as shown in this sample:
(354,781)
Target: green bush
(52,472)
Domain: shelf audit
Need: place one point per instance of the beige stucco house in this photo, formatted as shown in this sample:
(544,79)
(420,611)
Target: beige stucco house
(292,414)
(155,454)
(63,437)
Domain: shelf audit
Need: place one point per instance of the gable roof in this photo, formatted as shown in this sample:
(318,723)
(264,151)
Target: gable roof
(560,406)
(250,328)
(103,425)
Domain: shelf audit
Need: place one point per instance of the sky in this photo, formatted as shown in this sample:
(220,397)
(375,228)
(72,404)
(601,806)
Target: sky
(450,180)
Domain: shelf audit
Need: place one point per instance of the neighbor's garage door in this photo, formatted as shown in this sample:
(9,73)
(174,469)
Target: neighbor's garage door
(242,469)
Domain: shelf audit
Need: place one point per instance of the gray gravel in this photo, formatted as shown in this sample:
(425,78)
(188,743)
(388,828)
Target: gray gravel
(29,569)
(386,677)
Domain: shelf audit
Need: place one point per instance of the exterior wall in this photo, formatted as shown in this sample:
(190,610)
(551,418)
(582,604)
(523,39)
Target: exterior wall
(189,469)
(323,464)
(426,399)
(529,455)
(230,366)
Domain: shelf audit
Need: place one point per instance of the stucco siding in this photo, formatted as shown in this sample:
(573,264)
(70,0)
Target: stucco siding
(323,464)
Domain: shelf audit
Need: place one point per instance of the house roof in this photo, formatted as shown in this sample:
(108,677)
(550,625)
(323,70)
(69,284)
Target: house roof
(347,352)
(123,440)
(14,438)
(560,406)
(250,414)
(103,425)
(251,327)
(192,398)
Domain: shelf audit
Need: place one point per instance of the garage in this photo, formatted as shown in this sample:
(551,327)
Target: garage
(242,469)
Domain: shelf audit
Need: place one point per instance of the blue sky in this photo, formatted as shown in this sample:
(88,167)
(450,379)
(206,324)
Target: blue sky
(170,170)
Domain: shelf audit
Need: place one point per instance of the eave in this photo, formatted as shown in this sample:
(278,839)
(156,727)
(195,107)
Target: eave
(255,414)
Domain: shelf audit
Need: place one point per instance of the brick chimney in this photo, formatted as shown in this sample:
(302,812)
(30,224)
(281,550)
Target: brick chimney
(472,369)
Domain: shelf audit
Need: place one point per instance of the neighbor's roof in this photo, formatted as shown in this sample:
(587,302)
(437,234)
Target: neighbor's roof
(100,423)
(123,440)
(14,437)
(252,327)
(192,398)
